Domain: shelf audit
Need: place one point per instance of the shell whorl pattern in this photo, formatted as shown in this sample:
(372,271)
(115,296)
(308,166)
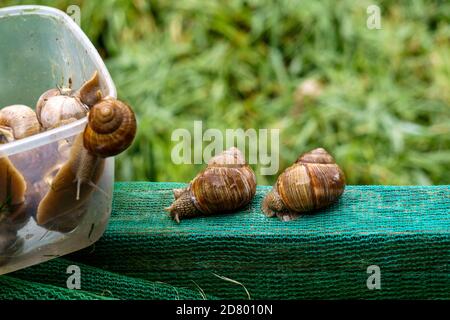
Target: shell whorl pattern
(313,182)
(111,128)
(223,189)
(227,184)
(319,155)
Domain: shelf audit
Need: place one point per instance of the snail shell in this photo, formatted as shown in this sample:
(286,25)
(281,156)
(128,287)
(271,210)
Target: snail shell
(111,128)
(47,95)
(19,120)
(60,106)
(313,182)
(227,184)
(54,110)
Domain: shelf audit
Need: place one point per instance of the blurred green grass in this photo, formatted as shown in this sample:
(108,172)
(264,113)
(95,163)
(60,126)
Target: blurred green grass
(383,108)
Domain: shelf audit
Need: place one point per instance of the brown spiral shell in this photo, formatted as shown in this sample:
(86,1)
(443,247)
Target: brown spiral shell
(313,182)
(226,185)
(111,128)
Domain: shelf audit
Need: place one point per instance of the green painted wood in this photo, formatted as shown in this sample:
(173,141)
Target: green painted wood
(144,254)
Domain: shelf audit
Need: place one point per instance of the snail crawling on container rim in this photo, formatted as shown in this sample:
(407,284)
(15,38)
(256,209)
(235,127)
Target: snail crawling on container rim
(110,130)
(313,182)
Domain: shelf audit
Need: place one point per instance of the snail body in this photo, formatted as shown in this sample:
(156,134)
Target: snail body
(12,185)
(90,93)
(111,128)
(60,209)
(18,122)
(227,184)
(313,182)
(13,206)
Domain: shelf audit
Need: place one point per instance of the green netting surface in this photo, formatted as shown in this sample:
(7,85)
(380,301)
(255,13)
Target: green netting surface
(145,255)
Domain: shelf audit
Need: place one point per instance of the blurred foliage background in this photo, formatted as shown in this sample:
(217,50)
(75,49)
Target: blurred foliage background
(378,100)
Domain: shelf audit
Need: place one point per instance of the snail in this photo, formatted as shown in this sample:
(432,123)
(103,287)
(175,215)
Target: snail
(13,213)
(111,128)
(227,184)
(12,187)
(313,182)
(59,106)
(18,122)
(62,207)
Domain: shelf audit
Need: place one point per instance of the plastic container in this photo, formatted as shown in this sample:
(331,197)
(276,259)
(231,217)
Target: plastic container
(42,48)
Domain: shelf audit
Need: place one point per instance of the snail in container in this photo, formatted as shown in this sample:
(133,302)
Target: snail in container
(227,184)
(69,190)
(60,106)
(18,122)
(313,182)
(12,189)
(12,208)
(110,130)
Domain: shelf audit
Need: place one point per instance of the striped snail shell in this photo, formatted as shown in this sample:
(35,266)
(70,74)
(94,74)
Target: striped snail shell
(111,128)
(313,182)
(18,122)
(227,184)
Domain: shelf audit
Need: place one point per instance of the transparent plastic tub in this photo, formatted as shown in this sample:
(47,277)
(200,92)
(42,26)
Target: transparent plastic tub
(42,48)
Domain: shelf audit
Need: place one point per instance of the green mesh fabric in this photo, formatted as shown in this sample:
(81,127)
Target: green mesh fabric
(95,284)
(145,255)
